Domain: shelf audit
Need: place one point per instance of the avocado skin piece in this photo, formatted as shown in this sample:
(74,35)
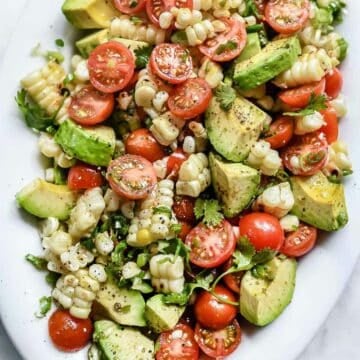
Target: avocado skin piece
(251,48)
(276,57)
(160,316)
(233,132)
(235,184)
(110,299)
(89,14)
(44,199)
(319,202)
(94,145)
(262,301)
(122,343)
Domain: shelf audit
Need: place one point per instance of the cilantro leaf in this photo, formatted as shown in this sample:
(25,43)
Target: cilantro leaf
(45,306)
(163,210)
(263,256)
(228,46)
(262,272)
(209,210)
(38,262)
(142,56)
(251,9)
(226,95)
(316,103)
(246,247)
(178,248)
(59,42)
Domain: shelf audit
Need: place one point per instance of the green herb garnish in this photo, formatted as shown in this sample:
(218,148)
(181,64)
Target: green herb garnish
(209,211)
(142,56)
(38,262)
(45,306)
(228,46)
(226,95)
(316,103)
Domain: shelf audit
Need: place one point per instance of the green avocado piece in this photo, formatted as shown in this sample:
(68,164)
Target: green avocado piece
(94,145)
(160,316)
(44,199)
(251,48)
(122,343)
(262,301)
(276,57)
(235,184)
(233,132)
(89,14)
(319,202)
(125,307)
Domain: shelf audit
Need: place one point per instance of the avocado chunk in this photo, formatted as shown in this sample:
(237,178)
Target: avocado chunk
(262,301)
(233,132)
(44,199)
(251,48)
(94,145)
(89,14)
(276,57)
(235,184)
(160,316)
(125,307)
(319,202)
(122,343)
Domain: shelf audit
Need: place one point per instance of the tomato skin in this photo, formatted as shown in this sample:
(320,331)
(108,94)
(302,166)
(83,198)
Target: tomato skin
(67,332)
(111,67)
(281,131)
(334,83)
(184,104)
(331,128)
(155,7)
(212,342)
(233,281)
(263,230)
(83,176)
(131,176)
(175,161)
(183,208)
(295,15)
(299,97)
(300,242)
(211,312)
(141,142)
(185,229)
(211,246)
(125,7)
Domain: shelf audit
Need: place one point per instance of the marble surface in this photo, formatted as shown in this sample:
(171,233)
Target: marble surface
(336,339)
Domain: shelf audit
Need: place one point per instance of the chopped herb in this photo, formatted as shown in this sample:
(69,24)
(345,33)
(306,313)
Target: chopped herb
(315,157)
(176,228)
(45,306)
(133,4)
(316,103)
(226,95)
(51,278)
(262,272)
(209,211)
(59,42)
(68,79)
(38,262)
(123,309)
(55,56)
(254,28)
(178,248)
(228,46)
(337,9)
(263,256)
(179,37)
(163,210)
(88,243)
(142,56)
(136,20)
(251,9)
(142,259)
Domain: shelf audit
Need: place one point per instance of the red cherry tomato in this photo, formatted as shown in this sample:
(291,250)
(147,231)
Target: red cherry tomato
(307,155)
(281,131)
(171,62)
(83,176)
(131,176)
(190,98)
(213,313)
(175,161)
(130,6)
(299,97)
(233,281)
(211,246)
(90,106)
(331,128)
(185,229)
(111,66)
(300,242)
(178,343)
(183,208)
(218,343)
(228,44)
(142,142)
(67,332)
(334,83)
(263,230)
(154,8)
(287,16)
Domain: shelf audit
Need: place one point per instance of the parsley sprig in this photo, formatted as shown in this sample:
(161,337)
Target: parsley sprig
(226,95)
(142,56)
(316,103)
(209,211)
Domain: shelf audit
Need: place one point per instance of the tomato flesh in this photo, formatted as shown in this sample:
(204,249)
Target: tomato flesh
(130,6)
(331,127)
(334,83)
(185,229)
(175,161)
(280,132)
(67,332)
(83,176)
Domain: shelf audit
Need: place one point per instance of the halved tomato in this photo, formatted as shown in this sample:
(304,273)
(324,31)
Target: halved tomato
(175,161)
(233,281)
(331,127)
(84,176)
(280,132)
(154,8)
(334,83)
(183,208)
(130,6)
(211,246)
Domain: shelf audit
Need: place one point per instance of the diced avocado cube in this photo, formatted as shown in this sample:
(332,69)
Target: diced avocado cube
(262,301)
(276,57)
(160,316)
(251,48)
(319,202)
(94,145)
(235,184)
(44,199)
(233,132)
(125,307)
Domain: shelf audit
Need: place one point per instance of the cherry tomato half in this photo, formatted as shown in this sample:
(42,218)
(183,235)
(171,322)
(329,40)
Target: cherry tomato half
(178,343)
(211,246)
(183,208)
(185,229)
(213,313)
(300,242)
(175,161)
(233,281)
(67,332)
(190,98)
(331,127)
(171,62)
(263,230)
(287,16)
(131,176)
(83,176)
(154,8)
(281,131)
(130,7)
(142,142)
(334,83)
(218,343)
(111,66)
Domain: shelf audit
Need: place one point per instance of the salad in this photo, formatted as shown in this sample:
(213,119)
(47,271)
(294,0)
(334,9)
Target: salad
(193,156)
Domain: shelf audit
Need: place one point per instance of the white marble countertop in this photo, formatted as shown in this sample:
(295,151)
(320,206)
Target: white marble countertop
(338,336)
